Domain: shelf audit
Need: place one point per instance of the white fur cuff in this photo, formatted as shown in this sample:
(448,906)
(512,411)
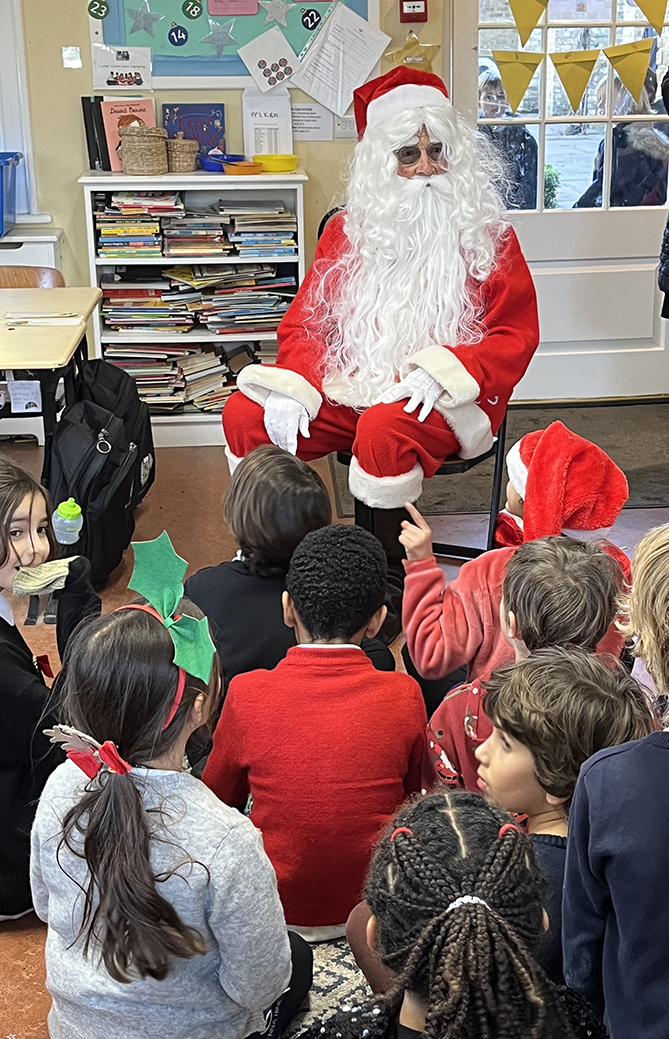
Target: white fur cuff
(444,366)
(516,469)
(384,492)
(233,461)
(471,426)
(256,381)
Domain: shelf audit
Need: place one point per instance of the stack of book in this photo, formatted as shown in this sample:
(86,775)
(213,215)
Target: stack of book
(122,236)
(146,307)
(261,228)
(154,369)
(204,376)
(195,236)
(247,312)
(151,203)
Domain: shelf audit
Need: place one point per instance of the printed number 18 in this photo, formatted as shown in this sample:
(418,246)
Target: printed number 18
(192,9)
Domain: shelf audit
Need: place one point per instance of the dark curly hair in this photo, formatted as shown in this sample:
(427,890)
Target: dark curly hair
(473,964)
(337,581)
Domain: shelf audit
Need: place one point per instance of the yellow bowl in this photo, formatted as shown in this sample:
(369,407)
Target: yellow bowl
(241,169)
(277,163)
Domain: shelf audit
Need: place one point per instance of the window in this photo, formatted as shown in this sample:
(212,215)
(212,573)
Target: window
(614,151)
(15,133)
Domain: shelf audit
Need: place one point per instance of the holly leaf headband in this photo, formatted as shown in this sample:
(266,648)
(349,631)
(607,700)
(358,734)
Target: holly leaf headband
(158,576)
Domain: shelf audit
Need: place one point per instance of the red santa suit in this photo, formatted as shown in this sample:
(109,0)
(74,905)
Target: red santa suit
(391,449)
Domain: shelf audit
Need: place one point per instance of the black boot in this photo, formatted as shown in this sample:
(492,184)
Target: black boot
(386,526)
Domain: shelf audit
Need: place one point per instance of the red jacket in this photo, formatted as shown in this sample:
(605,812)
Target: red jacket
(457,625)
(329,748)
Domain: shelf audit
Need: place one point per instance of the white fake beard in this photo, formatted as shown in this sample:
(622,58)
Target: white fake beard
(419,249)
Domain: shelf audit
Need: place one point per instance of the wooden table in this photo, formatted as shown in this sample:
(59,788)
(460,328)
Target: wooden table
(46,351)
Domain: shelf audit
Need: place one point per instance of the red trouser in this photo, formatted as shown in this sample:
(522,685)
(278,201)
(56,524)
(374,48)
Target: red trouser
(384,439)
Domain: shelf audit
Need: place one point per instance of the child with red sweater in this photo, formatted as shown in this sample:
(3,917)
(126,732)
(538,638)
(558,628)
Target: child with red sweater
(328,746)
(568,486)
(557,592)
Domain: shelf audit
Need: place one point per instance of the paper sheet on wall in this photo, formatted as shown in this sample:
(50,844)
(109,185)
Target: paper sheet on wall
(576,10)
(25,394)
(267,122)
(121,67)
(269,58)
(343,56)
(311,122)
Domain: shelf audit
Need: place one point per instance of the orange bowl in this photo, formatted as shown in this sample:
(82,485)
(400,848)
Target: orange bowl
(242,169)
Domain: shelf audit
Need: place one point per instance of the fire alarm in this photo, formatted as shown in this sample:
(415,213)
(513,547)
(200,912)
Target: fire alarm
(413,10)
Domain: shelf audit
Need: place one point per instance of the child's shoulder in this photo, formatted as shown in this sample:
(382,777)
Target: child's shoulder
(486,569)
(618,758)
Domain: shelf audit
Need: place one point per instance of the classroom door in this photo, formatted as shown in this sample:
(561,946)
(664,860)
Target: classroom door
(586,192)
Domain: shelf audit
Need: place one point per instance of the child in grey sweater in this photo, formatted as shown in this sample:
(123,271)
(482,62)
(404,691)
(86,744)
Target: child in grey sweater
(163,913)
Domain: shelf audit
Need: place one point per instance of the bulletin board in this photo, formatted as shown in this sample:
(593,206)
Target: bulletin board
(194,62)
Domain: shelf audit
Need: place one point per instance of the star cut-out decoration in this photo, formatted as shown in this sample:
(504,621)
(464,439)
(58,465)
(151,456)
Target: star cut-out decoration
(144,19)
(276,11)
(415,54)
(220,35)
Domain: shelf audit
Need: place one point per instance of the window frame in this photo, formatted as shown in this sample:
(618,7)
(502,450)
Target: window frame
(15,122)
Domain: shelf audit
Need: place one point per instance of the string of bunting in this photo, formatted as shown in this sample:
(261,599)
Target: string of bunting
(527,13)
(574,69)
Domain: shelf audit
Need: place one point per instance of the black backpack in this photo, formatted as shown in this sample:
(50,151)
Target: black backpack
(102,455)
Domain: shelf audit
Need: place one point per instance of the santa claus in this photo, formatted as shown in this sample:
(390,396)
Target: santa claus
(417,317)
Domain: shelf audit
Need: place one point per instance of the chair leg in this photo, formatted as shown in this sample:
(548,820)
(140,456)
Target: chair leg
(497,483)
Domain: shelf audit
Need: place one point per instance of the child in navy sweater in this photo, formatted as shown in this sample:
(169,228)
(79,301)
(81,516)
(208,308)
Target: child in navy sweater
(616,913)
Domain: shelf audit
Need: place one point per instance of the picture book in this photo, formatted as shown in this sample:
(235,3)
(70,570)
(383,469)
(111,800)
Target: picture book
(198,122)
(125,112)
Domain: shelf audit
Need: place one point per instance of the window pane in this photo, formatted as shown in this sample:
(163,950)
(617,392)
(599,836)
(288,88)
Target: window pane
(573,162)
(557,102)
(639,165)
(495,11)
(629,12)
(517,146)
(506,40)
(579,10)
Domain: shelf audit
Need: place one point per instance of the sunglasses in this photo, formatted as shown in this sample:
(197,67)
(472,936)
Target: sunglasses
(409,155)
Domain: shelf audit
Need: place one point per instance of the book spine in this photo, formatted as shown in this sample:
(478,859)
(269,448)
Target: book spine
(100,134)
(91,141)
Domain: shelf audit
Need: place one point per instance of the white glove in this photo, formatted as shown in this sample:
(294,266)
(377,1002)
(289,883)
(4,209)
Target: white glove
(420,387)
(284,418)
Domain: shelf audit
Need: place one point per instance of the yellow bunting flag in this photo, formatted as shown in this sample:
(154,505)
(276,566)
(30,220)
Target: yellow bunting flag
(574,69)
(526,15)
(631,60)
(654,11)
(516,69)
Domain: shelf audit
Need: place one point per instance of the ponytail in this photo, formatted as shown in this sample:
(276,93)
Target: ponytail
(138,931)
(119,684)
(459,912)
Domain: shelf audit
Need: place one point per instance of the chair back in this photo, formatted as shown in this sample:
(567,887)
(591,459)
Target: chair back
(31,278)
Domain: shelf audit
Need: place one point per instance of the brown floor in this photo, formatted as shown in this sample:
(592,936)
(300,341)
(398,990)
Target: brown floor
(186,501)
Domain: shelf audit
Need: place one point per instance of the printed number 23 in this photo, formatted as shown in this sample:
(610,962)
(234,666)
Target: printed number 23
(98,9)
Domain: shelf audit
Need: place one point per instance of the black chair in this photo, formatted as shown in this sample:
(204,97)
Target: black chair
(364,514)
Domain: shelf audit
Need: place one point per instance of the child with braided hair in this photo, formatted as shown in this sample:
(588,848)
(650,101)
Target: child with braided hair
(457,900)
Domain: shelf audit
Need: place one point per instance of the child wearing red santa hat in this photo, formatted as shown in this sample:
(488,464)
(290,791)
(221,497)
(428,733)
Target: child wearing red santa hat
(568,486)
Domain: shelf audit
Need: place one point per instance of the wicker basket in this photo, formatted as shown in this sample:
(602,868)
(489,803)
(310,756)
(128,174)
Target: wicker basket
(181,154)
(143,150)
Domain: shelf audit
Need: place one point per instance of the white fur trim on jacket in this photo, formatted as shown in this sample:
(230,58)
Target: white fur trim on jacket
(471,426)
(233,461)
(444,366)
(407,95)
(516,469)
(257,381)
(384,492)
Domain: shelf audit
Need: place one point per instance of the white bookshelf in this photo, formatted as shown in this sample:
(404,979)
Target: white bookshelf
(201,188)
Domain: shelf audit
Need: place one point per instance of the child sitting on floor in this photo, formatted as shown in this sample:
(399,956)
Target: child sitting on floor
(615,910)
(327,746)
(273,500)
(550,713)
(556,592)
(458,911)
(164,917)
(576,490)
(26,757)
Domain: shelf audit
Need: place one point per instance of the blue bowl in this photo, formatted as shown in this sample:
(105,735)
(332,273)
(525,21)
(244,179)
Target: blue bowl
(214,163)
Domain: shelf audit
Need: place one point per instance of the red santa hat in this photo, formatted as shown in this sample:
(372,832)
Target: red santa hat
(568,485)
(396,91)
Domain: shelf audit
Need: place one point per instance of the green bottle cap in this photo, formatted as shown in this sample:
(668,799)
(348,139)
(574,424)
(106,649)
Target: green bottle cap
(69,509)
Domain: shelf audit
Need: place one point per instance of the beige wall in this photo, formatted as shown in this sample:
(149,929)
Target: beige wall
(58,129)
